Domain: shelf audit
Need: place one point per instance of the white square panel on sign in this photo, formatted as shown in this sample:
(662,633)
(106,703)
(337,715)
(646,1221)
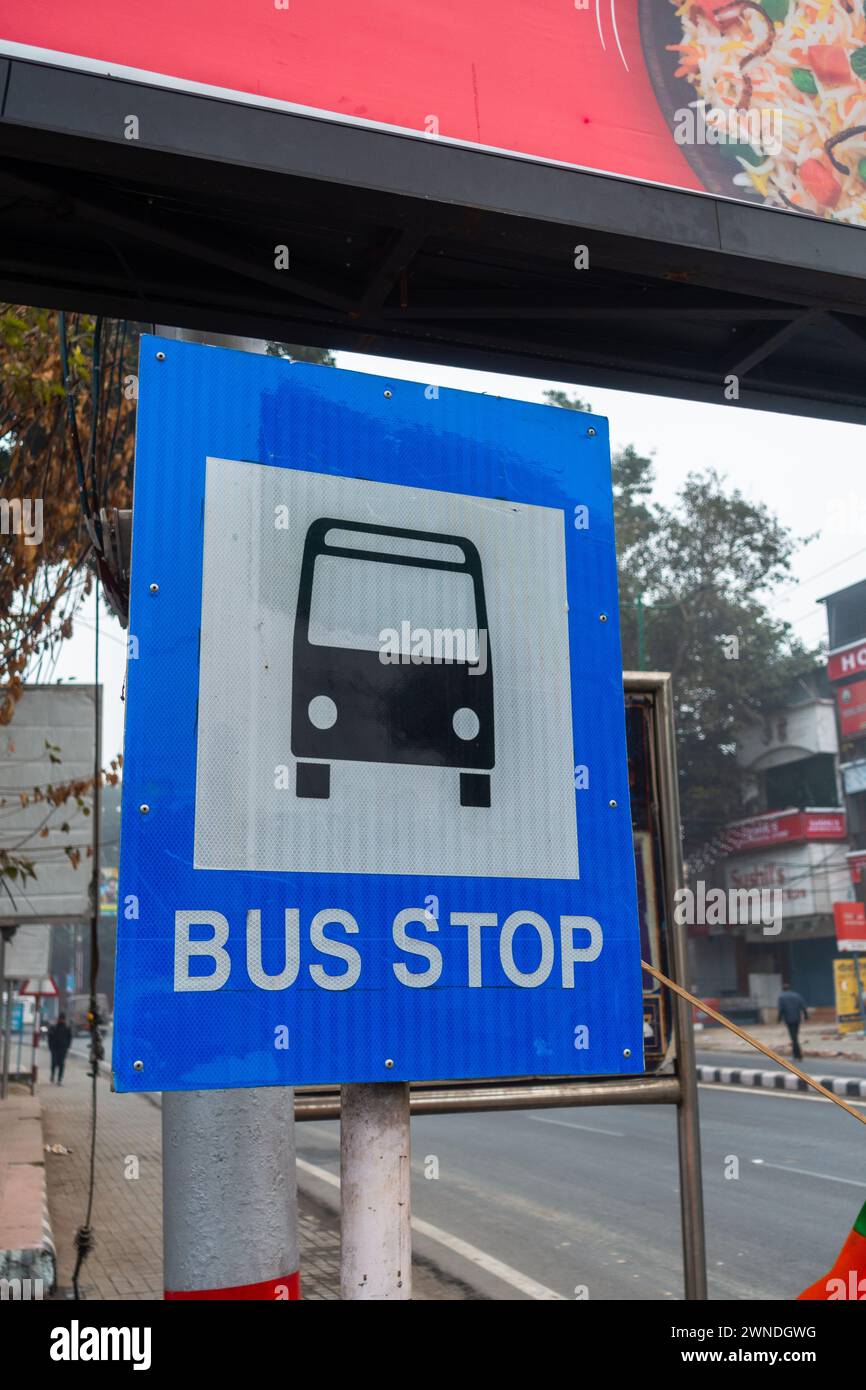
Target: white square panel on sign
(380,817)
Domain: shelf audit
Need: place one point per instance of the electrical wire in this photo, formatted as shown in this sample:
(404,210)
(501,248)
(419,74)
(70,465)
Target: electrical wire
(74,434)
(96,393)
(119,350)
(84,1235)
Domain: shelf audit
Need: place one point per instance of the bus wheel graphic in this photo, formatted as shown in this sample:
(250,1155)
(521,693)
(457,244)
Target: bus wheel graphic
(352,701)
(313,779)
(474,789)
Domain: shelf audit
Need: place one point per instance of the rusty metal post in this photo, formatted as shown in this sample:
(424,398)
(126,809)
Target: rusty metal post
(688,1120)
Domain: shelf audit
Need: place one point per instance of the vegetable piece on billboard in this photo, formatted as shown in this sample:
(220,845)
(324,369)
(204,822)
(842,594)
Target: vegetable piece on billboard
(819,181)
(795,73)
(829,62)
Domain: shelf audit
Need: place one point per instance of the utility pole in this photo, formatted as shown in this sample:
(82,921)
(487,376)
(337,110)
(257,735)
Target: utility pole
(375,1160)
(230,1224)
(641,633)
(6,934)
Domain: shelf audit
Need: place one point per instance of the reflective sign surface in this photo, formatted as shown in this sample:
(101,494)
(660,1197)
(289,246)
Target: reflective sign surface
(376,818)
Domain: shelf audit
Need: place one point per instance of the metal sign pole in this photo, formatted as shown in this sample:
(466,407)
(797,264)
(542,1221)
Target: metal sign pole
(6,935)
(229,1195)
(7,1041)
(3,931)
(375,1163)
(3,937)
(37,1026)
(229,1185)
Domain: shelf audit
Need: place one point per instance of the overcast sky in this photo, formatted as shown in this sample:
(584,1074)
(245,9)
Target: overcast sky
(810,472)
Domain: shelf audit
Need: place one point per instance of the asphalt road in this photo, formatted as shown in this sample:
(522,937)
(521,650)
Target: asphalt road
(589,1197)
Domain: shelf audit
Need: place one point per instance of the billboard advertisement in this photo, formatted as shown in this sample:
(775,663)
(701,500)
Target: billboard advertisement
(851,702)
(857,865)
(759,103)
(807,877)
(848,977)
(850,920)
(847,661)
(786,827)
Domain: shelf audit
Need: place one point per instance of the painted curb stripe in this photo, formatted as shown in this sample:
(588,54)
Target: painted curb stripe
(275,1290)
(854,1086)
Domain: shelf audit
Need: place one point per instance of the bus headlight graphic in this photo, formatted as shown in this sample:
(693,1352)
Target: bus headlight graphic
(347,704)
(322,712)
(466,723)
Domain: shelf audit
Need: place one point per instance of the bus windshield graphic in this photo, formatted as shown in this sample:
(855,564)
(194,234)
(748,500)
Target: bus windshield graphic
(352,702)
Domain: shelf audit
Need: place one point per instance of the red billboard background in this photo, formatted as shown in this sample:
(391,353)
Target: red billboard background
(598,85)
(857,865)
(847,661)
(785,828)
(851,700)
(850,920)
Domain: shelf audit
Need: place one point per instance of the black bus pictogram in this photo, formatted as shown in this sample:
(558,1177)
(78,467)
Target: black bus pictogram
(350,704)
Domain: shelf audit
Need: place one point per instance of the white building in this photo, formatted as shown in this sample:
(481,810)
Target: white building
(794,846)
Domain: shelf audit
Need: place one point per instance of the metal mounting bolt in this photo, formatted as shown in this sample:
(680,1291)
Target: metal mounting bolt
(626,1052)
(591,432)
(602,617)
(389,1063)
(144,808)
(612,803)
(160,357)
(388,395)
(154,588)
(138,1066)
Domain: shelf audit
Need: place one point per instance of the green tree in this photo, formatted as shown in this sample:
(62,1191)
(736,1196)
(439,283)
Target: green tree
(67,421)
(698,577)
(68,388)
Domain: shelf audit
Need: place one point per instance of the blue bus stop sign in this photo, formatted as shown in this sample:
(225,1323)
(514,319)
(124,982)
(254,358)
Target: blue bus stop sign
(375,806)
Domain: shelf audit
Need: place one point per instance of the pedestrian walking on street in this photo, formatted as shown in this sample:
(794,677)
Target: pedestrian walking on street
(59,1041)
(792,1008)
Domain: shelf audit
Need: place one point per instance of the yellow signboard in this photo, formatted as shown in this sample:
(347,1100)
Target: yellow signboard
(849,1013)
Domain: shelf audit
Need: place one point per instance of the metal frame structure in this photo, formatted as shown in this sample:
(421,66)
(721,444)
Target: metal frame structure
(436,252)
(416,248)
(675,1087)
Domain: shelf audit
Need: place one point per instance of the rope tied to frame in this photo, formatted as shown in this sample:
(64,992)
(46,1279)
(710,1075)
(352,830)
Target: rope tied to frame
(753,1042)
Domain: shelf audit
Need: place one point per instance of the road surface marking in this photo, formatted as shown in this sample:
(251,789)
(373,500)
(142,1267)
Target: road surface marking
(570,1124)
(510,1276)
(807,1173)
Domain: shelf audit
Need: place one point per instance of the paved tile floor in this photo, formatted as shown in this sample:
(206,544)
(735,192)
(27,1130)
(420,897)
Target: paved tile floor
(126,1260)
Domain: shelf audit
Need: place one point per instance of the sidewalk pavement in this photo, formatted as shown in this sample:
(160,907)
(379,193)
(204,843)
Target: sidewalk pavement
(820,1039)
(126,1260)
(26,1248)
